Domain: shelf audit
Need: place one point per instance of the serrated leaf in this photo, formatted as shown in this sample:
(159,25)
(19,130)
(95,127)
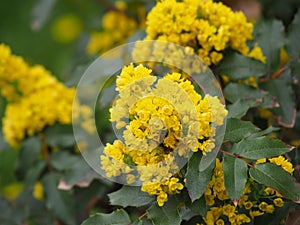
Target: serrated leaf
(270,37)
(196,180)
(235,176)
(255,97)
(168,214)
(60,135)
(29,151)
(237,130)
(292,46)
(237,66)
(286,111)
(199,206)
(118,217)
(265,132)
(275,177)
(130,196)
(60,202)
(260,147)
(239,108)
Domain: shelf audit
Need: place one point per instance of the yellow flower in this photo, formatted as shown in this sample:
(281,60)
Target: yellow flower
(12,190)
(248,205)
(255,213)
(284,163)
(259,161)
(162,198)
(38,191)
(278,202)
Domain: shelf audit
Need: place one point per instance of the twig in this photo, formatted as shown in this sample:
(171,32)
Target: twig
(235,156)
(45,152)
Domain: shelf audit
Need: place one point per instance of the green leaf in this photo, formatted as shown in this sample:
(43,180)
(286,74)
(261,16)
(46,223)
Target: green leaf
(253,96)
(260,147)
(238,109)
(208,160)
(270,37)
(7,166)
(199,206)
(237,66)
(118,217)
(60,135)
(60,202)
(29,151)
(287,110)
(235,176)
(196,180)
(130,196)
(292,45)
(265,132)
(275,177)
(168,214)
(76,170)
(237,130)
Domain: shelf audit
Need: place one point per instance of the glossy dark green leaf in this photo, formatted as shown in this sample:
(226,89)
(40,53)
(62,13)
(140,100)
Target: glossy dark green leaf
(60,202)
(29,151)
(275,177)
(235,176)
(237,130)
(60,135)
(130,196)
(165,215)
(253,96)
(260,147)
(292,45)
(238,109)
(196,180)
(237,66)
(118,217)
(8,158)
(270,37)
(286,111)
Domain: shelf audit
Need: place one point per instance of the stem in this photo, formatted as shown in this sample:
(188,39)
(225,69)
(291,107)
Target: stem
(140,217)
(235,156)
(45,152)
(275,75)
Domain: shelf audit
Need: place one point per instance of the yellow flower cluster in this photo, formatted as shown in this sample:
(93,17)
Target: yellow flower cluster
(117,27)
(279,161)
(159,119)
(34,95)
(246,208)
(207,27)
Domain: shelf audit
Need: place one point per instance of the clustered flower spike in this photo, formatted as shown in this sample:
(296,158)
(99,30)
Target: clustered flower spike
(117,26)
(159,119)
(253,202)
(34,98)
(207,27)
